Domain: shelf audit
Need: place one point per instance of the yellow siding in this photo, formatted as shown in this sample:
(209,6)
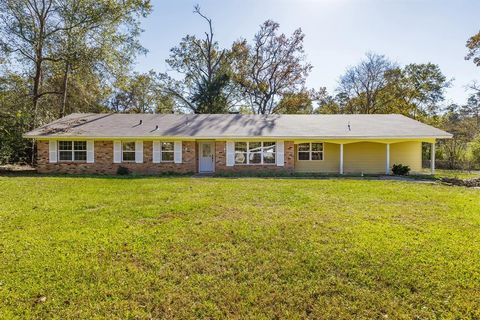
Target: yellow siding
(407,153)
(366,157)
(329,164)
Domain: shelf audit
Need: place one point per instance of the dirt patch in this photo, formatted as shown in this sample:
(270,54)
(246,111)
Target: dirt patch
(469,183)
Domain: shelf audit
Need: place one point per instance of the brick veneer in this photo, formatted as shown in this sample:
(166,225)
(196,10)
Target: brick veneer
(221,161)
(104,161)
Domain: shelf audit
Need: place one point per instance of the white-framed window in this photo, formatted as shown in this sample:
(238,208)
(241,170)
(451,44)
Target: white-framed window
(128,151)
(72,151)
(310,151)
(255,152)
(167,153)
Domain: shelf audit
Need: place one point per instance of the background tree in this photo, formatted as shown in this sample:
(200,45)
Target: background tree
(48,42)
(141,93)
(360,87)
(273,66)
(473,45)
(205,70)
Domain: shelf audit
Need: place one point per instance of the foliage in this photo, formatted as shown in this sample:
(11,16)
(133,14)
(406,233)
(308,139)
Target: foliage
(377,85)
(141,93)
(182,248)
(123,171)
(273,66)
(400,169)
(67,54)
(473,152)
(296,103)
(473,45)
(205,86)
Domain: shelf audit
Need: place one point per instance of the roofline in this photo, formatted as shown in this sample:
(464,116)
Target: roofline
(447,136)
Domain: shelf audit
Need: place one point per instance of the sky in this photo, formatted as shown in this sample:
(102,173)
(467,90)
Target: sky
(338,33)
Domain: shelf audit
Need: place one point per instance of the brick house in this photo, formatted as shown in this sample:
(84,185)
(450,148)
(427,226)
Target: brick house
(155,143)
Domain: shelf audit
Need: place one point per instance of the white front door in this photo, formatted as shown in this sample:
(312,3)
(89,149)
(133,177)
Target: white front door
(206,156)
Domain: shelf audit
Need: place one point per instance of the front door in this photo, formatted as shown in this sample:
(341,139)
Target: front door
(206,156)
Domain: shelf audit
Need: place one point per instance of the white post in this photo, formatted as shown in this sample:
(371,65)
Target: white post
(341,158)
(432,158)
(387,166)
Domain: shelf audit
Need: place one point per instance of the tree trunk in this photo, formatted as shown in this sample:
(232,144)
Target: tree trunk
(65,87)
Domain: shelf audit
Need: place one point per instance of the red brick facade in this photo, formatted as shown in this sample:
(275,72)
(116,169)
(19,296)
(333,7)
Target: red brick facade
(104,161)
(103,164)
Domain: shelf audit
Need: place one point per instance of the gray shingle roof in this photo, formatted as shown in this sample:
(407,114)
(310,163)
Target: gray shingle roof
(93,125)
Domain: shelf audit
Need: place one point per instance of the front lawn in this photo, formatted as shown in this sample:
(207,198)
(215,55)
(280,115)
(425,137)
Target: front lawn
(118,248)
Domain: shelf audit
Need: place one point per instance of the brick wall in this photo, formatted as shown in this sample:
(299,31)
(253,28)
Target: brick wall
(104,161)
(221,161)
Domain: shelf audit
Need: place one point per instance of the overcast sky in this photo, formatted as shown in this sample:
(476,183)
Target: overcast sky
(338,32)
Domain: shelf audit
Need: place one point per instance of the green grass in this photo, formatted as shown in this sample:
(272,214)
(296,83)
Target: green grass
(119,248)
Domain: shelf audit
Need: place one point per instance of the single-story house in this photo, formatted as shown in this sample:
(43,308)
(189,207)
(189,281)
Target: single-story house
(155,143)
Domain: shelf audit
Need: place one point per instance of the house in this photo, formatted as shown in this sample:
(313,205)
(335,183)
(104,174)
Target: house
(155,143)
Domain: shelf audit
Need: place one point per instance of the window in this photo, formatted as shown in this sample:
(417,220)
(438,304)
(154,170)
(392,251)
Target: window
(128,151)
(72,150)
(166,150)
(255,152)
(310,151)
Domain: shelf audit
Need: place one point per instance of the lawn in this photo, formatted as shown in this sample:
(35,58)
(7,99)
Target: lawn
(119,248)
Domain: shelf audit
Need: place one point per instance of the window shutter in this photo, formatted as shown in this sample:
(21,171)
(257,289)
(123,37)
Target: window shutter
(90,152)
(156,152)
(230,153)
(177,151)
(117,151)
(52,151)
(139,151)
(280,156)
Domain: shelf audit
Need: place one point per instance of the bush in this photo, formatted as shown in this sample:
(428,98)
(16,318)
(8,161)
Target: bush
(400,169)
(123,171)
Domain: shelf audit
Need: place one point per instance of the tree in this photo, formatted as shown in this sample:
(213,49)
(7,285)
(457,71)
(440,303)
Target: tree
(473,45)
(295,103)
(414,90)
(360,87)
(141,93)
(205,68)
(273,66)
(52,41)
(472,108)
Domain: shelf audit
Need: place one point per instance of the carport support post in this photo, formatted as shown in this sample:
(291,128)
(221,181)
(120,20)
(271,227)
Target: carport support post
(387,166)
(341,158)
(432,158)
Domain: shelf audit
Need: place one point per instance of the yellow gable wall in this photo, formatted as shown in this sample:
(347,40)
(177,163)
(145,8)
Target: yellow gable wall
(407,153)
(329,164)
(366,157)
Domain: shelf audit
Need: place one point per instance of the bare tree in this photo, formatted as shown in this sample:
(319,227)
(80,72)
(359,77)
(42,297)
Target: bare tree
(205,68)
(360,86)
(272,66)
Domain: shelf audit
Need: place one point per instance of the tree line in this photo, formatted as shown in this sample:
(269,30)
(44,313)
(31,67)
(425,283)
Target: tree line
(63,56)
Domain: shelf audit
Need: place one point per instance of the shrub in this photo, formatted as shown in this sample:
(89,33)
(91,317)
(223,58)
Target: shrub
(400,169)
(123,171)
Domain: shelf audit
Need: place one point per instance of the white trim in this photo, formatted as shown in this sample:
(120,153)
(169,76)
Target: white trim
(139,151)
(310,151)
(177,152)
(230,153)
(117,151)
(341,158)
(280,153)
(90,151)
(156,153)
(248,153)
(387,164)
(52,151)
(224,138)
(432,158)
